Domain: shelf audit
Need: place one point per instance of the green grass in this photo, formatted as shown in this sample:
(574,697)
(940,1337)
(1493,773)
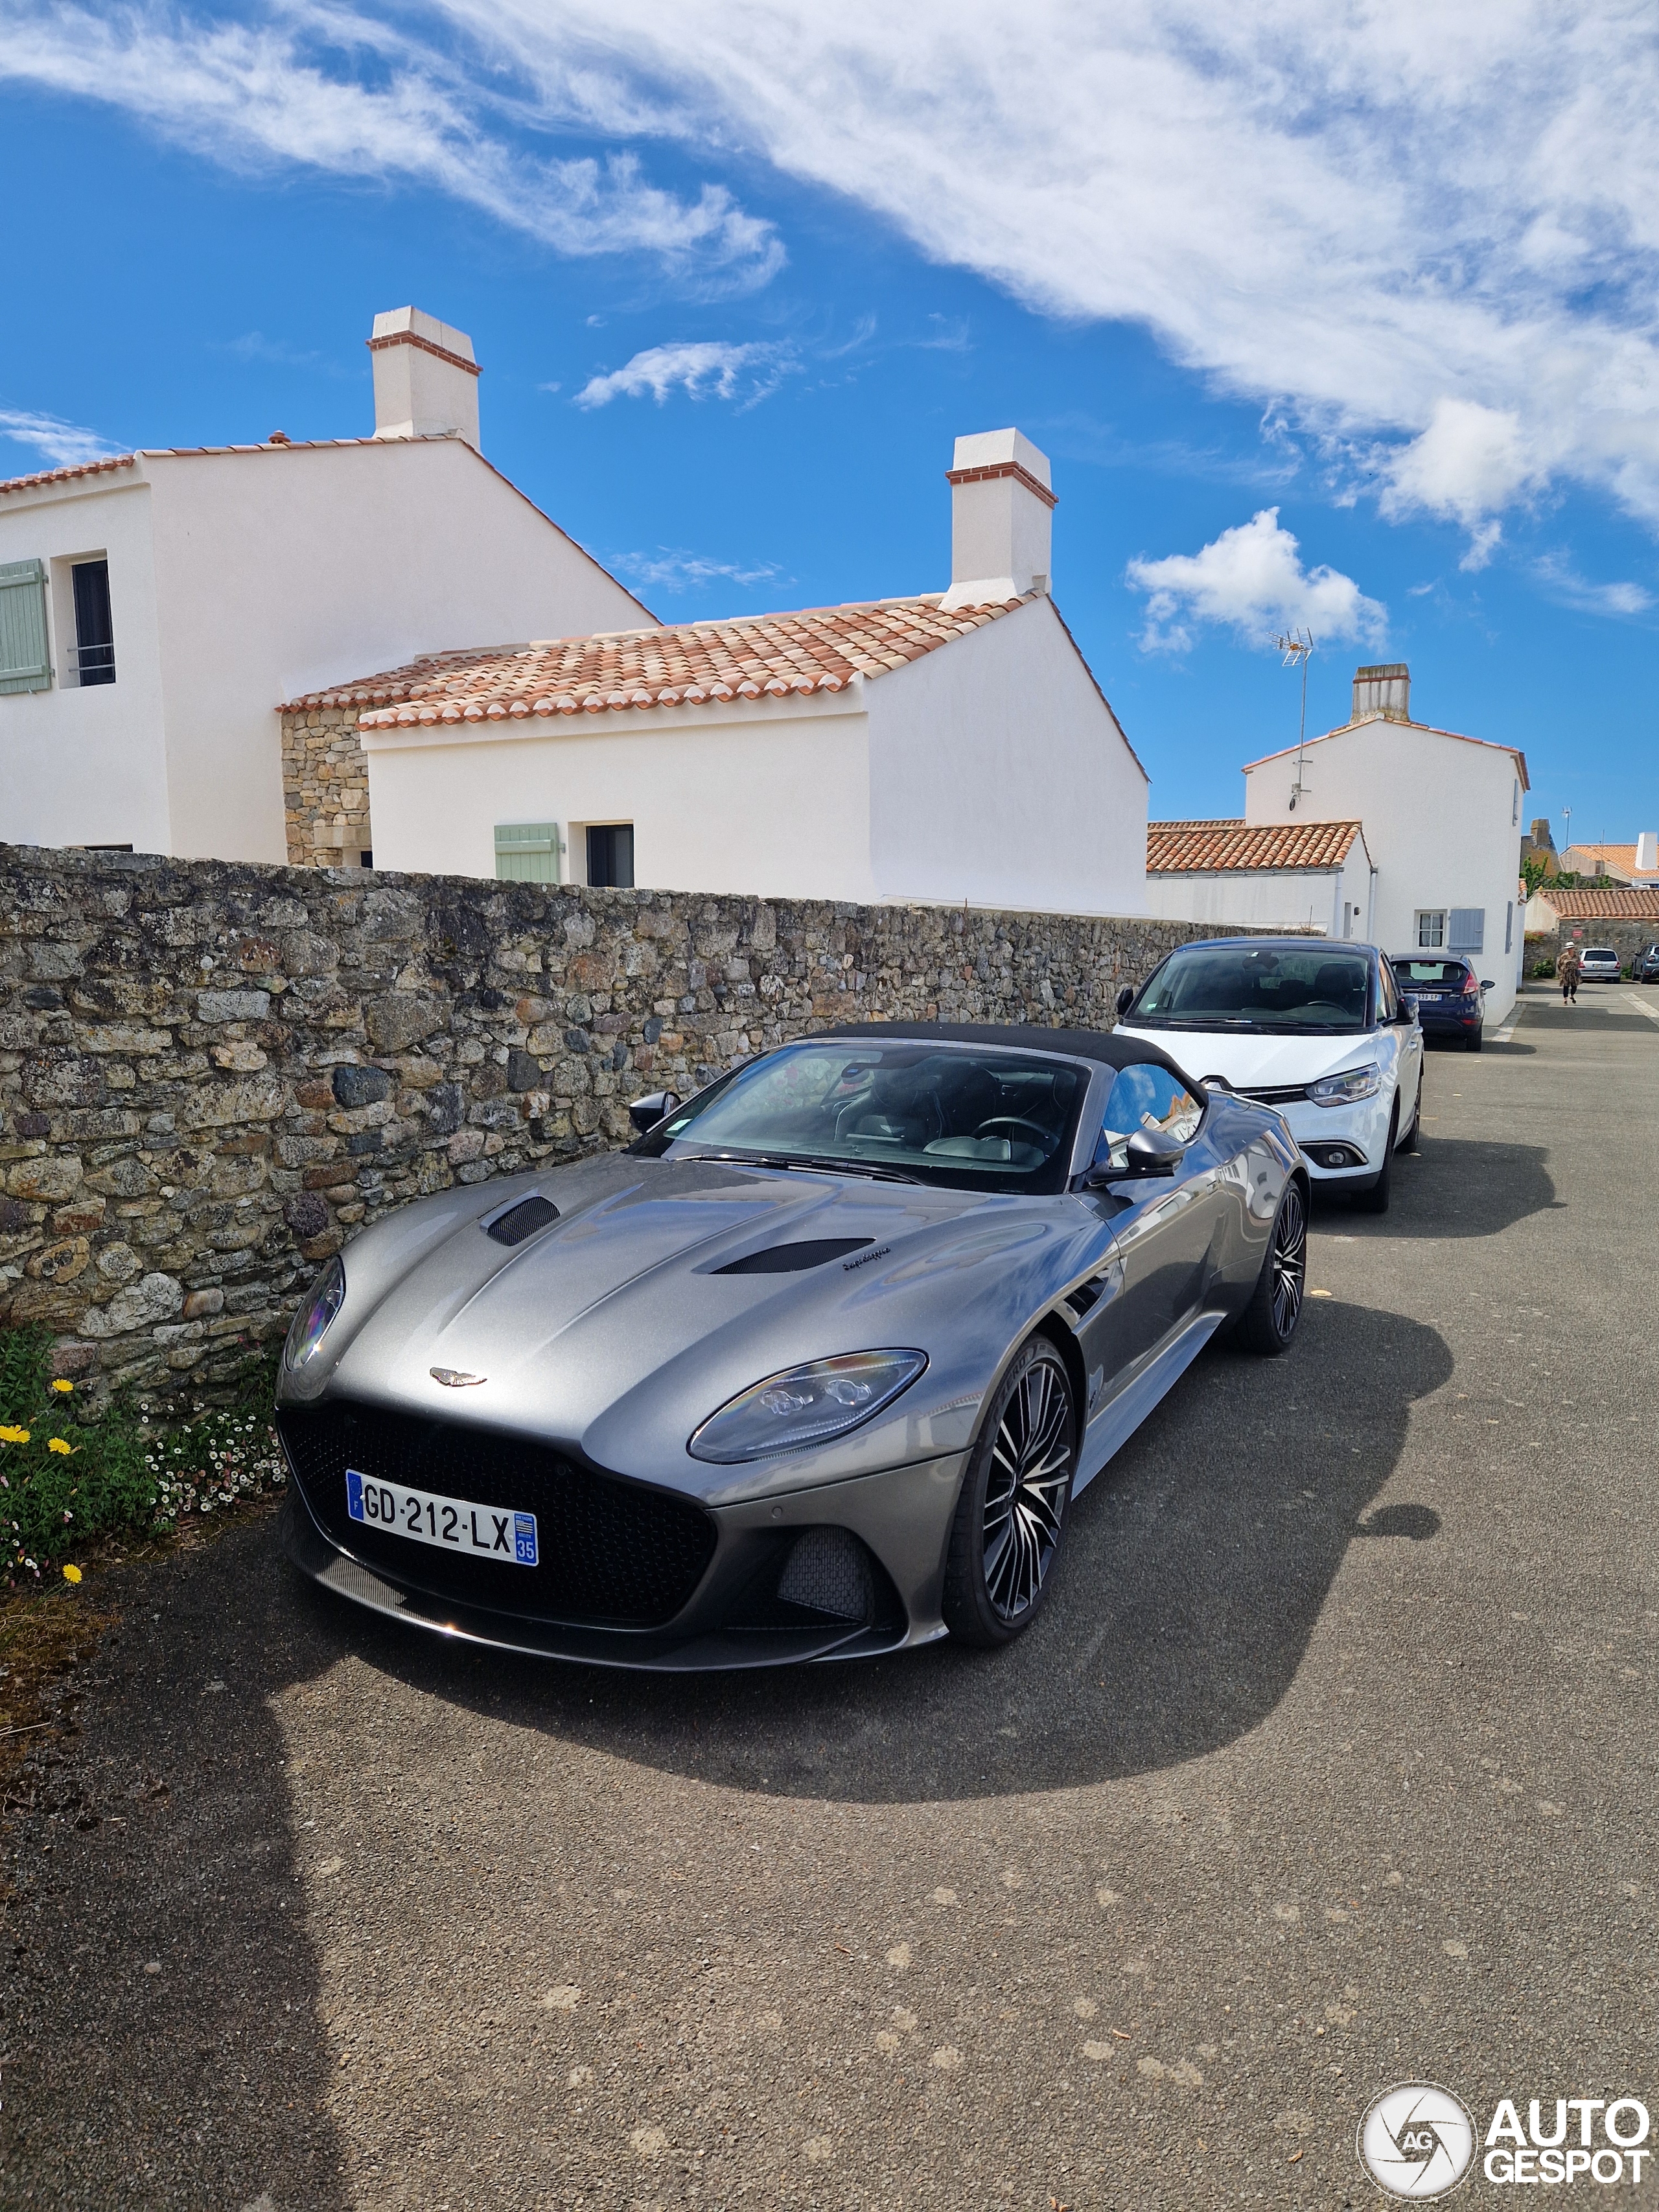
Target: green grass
(70,1475)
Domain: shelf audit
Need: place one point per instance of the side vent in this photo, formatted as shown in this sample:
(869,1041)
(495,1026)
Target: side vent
(522,1220)
(1087,1295)
(794,1259)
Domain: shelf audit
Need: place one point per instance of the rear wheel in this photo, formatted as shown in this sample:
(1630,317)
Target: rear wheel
(1472,1041)
(1409,1142)
(1375,1199)
(1012,1513)
(1269,1322)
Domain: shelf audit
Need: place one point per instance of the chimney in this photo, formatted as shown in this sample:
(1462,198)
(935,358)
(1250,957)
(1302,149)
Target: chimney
(426,381)
(1386,690)
(1647,853)
(1000,500)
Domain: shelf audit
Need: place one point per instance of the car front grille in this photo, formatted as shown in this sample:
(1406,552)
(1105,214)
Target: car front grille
(610,1552)
(1284,1094)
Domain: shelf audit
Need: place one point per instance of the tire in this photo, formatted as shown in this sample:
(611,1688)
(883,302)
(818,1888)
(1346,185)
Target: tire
(1268,1323)
(1409,1142)
(1375,1199)
(1472,1042)
(1011,1515)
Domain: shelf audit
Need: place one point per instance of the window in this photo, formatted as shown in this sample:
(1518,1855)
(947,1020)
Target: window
(95,634)
(24,662)
(1388,994)
(1509,927)
(1271,989)
(527,851)
(1431,930)
(610,855)
(1146,1096)
(1466,932)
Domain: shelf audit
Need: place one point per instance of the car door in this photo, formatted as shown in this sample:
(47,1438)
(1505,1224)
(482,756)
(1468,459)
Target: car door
(1166,1229)
(1400,1043)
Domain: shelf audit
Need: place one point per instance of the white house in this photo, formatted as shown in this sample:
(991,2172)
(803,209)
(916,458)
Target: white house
(1290,875)
(953,746)
(157,608)
(1441,816)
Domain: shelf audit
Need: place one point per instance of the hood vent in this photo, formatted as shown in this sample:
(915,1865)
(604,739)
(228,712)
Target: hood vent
(794,1259)
(522,1220)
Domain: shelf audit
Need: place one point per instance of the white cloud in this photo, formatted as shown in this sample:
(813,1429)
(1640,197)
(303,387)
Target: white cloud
(282,93)
(1562,581)
(1251,579)
(700,368)
(62,444)
(671,568)
(1436,229)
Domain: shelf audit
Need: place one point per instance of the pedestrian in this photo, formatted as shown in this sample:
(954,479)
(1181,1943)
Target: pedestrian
(1566,974)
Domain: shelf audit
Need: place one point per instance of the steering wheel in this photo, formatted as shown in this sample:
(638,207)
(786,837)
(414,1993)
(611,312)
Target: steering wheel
(998,1122)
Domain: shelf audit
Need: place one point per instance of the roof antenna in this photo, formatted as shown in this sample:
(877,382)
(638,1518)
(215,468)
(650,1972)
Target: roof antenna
(1297,649)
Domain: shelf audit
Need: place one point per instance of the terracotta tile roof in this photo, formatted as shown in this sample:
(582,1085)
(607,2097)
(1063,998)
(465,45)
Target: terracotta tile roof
(1179,848)
(755,656)
(1616,860)
(63,476)
(1392,722)
(1601,906)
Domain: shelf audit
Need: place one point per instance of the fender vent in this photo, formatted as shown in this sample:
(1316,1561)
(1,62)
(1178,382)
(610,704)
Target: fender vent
(794,1259)
(522,1220)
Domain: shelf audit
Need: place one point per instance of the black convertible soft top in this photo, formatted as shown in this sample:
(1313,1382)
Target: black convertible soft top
(1105,1047)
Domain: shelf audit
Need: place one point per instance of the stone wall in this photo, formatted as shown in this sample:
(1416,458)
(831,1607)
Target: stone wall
(1629,940)
(325,788)
(210,1074)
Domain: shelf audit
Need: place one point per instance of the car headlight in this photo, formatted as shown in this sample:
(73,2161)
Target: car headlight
(805,1405)
(309,1326)
(1348,1088)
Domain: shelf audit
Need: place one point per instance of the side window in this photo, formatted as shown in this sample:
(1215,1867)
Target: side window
(1387,998)
(1148,1096)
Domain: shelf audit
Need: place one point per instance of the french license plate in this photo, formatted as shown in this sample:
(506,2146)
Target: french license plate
(1429,998)
(454,1524)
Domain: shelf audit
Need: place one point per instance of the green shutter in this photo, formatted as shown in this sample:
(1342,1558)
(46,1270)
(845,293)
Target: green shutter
(527,852)
(25,663)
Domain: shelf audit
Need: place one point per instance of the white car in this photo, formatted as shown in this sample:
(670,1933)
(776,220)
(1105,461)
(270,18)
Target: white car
(1317,1030)
(1598,963)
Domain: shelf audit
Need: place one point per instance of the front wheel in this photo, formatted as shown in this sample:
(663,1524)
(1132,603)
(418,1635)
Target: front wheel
(1269,1322)
(1375,1199)
(1012,1513)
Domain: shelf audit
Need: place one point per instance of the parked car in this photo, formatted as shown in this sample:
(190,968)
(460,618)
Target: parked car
(1647,967)
(1451,998)
(1599,963)
(1316,1030)
(814,1367)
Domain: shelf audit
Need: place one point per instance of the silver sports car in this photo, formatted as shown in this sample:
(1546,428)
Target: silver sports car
(813,1369)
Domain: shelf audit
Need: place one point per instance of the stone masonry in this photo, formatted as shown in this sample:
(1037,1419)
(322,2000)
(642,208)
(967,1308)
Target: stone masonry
(210,1074)
(325,788)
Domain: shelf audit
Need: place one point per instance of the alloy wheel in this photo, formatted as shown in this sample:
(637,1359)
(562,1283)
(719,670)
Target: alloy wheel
(1030,1476)
(1290,1262)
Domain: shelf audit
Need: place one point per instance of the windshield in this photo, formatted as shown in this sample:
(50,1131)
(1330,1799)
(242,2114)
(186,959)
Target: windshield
(970,1119)
(1271,988)
(1432,975)
(1598,952)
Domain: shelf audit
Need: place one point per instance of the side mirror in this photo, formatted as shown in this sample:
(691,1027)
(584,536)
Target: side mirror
(1126,999)
(1148,1152)
(656,1106)
(1486,983)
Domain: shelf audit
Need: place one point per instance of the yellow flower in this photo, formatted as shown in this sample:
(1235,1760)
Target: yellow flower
(57,1444)
(64,1386)
(14,1436)
(71,1574)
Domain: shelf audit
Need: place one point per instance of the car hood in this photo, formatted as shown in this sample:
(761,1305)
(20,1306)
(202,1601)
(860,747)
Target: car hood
(1253,1063)
(615,1330)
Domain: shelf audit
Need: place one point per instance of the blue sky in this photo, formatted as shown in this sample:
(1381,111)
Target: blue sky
(1369,344)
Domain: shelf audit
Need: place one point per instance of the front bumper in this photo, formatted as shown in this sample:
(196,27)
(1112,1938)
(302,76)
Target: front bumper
(1344,1146)
(901,1518)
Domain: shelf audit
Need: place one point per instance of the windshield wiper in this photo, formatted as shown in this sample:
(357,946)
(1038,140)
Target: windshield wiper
(870,1169)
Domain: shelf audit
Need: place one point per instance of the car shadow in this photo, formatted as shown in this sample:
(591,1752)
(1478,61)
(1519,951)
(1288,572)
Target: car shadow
(164,2042)
(1194,1571)
(1451,1186)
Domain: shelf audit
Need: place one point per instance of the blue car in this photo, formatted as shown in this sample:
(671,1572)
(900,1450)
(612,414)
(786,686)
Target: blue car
(1451,998)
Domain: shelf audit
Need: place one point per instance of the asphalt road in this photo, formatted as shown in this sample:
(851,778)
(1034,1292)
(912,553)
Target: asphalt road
(1332,1764)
